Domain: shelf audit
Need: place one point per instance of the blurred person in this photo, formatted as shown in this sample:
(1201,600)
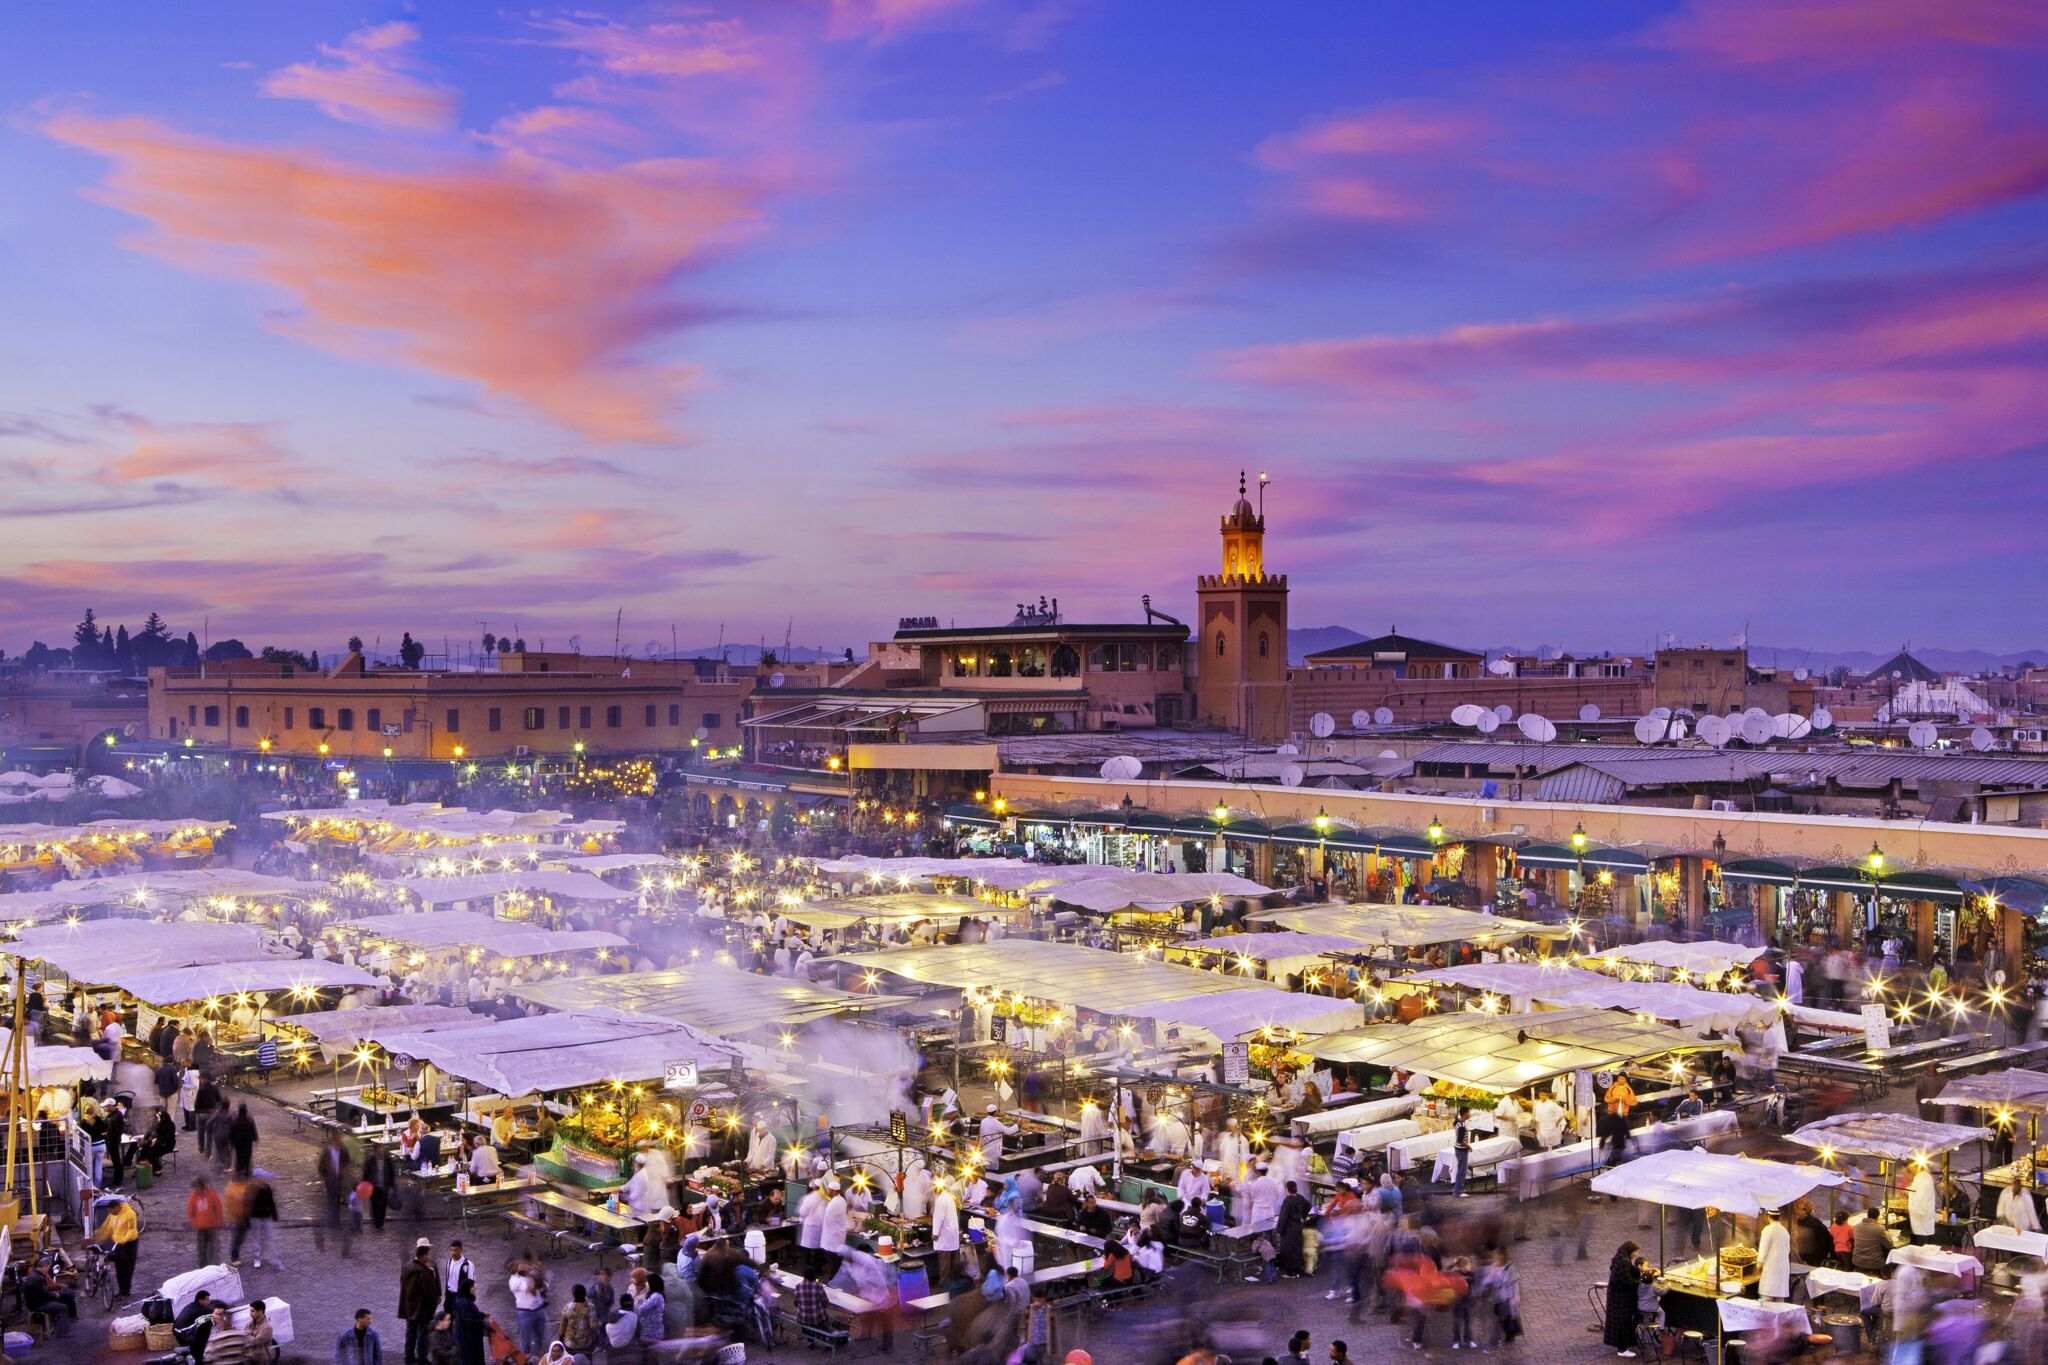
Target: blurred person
(1618,1330)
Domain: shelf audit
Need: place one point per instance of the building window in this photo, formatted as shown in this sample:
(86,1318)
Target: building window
(1169,658)
(454,721)
(650,715)
(1102,658)
(1219,644)
(316,716)
(376,721)
(583,717)
(345,718)
(561,718)
(999,664)
(1134,658)
(491,721)
(213,715)
(191,716)
(966,664)
(536,717)
(711,720)
(1031,661)
(1065,662)
(287,717)
(242,717)
(1265,644)
(675,714)
(612,716)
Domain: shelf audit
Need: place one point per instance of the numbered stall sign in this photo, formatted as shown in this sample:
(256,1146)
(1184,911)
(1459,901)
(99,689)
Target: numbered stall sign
(679,1076)
(1237,1063)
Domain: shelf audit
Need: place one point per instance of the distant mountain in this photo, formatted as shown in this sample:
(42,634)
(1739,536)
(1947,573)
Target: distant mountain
(751,654)
(1316,639)
(1309,640)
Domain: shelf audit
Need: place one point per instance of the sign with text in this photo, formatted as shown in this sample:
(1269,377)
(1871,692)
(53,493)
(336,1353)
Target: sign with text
(1877,1028)
(699,1110)
(899,1127)
(679,1076)
(999,1030)
(1237,1063)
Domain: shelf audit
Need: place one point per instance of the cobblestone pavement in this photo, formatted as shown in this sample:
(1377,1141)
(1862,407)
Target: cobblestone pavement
(325,1286)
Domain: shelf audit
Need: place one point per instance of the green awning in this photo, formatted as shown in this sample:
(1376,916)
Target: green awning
(1043,817)
(1148,822)
(1759,872)
(1547,855)
(1101,819)
(1302,834)
(968,813)
(1414,847)
(1258,831)
(1925,886)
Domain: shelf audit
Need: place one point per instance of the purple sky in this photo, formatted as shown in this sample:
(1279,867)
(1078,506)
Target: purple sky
(1554,324)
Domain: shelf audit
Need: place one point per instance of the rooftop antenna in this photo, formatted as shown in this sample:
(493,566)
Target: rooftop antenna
(618,627)
(674,650)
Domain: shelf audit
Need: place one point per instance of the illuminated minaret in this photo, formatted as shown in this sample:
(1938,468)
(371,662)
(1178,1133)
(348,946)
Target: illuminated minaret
(1241,682)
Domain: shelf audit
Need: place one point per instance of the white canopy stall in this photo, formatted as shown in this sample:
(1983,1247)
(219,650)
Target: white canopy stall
(1407,926)
(1283,954)
(724,1002)
(484,886)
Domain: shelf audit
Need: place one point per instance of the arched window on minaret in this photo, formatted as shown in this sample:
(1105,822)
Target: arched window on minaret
(1219,644)
(1265,644)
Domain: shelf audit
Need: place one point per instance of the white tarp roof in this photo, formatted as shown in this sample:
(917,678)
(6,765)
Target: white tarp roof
(556,1051)
(1503,1052)
(94,951)
(894,908)
(1687,1178)
(451,822)
(1233,1014)
(1543,980)
(65,1066)
(901,870)
(471,929)
(2025,1091)
(1064,973)
(1703,958)
(1285,947)
(554,883)
(1156,890)
(1347,1117)
(612,862)
(1406,926)
(722,1001)
(61,834)
(1895,1137)
(180,984)
(1038,879)
(338,1032)
(151,890)
(1568,987)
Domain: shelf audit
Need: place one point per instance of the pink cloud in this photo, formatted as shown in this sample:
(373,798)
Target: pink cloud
(682,49)
(1837,32)
(238,454)
(1396,130)
(541,283)
(371,77)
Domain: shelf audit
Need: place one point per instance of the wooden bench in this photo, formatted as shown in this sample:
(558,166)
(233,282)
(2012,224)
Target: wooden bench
(831,1337)
(523,1223)
(1225,1259)
(1976,1061)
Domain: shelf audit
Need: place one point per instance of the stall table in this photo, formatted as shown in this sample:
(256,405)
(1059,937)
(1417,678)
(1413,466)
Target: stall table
(1484,1156)
(1822,1281)
(596,1215)
(1935,1259)
(1996,1238)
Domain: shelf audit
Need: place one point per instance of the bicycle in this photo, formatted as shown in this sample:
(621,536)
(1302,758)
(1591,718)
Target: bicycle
(97,1279)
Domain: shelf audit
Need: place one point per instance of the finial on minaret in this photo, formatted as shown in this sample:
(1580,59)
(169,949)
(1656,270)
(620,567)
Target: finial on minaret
(1240,483)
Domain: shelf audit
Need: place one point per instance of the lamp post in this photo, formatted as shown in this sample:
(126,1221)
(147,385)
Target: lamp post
(1579,856)
(1873,867)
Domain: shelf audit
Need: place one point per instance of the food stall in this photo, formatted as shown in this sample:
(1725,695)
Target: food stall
(1900,1144)
(1716,1291)
(2004,1098)
(1271,957)
(1405,936)
(1707,962)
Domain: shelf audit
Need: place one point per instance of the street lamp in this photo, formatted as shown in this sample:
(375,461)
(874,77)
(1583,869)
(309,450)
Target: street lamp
(1322,821)
(1436,831)
(1579,853)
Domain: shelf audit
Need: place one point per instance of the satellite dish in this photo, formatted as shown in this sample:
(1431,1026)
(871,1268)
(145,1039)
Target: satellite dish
(776,679)
(1383,715)
(1649,729)
(1388,753)
(1823,719)
(1321,725)
(1714,730)
(1360,719)
(1660,713)
(1291,775)
(1537,728)
(1896,674)
(1122,768)
(129,729)
(1756,711)
(1288,749)
(1741,638)
(653,648)
(1504,712)
(1589,712)
(703,733)
(575,643)
(1133,768)
(1981,740)
(1922,734)
(1112,769)
(1800,675)
(1466,714)
(1756,729)
(1500,668)
(1487,723)
(1791,726)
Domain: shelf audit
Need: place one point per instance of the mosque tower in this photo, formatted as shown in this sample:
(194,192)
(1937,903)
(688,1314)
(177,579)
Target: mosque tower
(1241,682)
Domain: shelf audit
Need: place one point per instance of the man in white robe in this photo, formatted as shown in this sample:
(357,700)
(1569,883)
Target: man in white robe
(916,1198)
(1094,1129)
(1922,1206)
(1233,1152)
(945,1230)
(1774,1258)
(993,1131)
(760,1149)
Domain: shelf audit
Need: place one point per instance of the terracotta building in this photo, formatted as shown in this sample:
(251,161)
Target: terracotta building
(531,704)
(1241,672)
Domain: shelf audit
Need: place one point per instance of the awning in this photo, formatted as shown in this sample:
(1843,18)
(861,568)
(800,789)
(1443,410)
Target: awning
(557,1051)
(1759,872)
(1150,823)
(970,813)
(461,929)
(1505,1052)
(93,951)
(1689,1178)
(258,977)
(1062,973)
(553,883)
(722,1001)
(2021,893)
(1547,855)
(1895,1137)
(1406,926)
(1413,847)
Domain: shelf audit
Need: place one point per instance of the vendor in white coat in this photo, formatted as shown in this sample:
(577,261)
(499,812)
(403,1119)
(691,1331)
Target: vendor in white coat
(916,1198)
(1094,1129)
(641,1196)
(1507,1116)
(1169,1135)
(760,1148)
(1922,1205)
(1193,1186)
(810,1215)
(1261,1197)
(2016,1209)
(661,1170)
(1550,1123)
(1233,1152)
(993,1131)
(833,1224)
(1774,1257)
(945,1229)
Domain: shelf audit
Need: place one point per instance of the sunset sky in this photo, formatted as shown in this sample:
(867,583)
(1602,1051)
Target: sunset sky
(1563,324)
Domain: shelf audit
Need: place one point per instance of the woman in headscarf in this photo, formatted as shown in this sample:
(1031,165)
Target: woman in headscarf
(1288,1230)
(1619,1330)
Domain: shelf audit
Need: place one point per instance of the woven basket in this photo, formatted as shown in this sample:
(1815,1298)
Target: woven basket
(160,1336)
(125,1341)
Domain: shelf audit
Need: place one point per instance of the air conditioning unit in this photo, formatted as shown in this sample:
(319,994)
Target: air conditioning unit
(2026,736)
(1722,805)
(521,751)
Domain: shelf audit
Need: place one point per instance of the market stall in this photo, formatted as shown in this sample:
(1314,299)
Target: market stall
(1706,961)
(1274,957)
(1901,1145)
(1396,931)
(722,1001)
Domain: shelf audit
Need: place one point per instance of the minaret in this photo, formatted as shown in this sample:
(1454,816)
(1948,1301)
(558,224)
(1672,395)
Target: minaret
(1241,680)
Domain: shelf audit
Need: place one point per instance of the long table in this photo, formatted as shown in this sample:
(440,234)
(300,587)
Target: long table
(1533,1172)
(597,1215)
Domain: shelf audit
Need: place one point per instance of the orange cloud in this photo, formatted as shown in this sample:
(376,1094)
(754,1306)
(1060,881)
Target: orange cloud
(239,454)
(542,283)
(372,78)
(682,49)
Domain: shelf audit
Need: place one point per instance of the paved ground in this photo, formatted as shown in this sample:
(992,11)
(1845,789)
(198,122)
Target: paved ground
(326,1286)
